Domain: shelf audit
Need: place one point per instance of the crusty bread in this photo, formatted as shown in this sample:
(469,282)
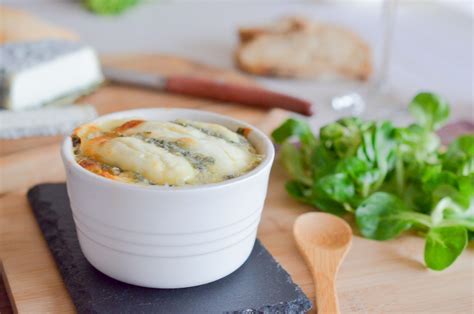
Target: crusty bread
(18,26)
(281,26)
(306,50)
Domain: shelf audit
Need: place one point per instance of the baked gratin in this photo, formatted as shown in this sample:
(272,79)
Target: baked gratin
(174,153)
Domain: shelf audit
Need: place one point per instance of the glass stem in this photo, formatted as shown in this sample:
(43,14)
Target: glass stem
(388,24)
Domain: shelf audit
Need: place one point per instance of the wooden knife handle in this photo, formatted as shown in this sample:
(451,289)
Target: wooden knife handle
(227,92)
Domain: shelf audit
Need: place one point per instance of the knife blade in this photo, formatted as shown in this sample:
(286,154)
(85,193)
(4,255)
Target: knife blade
(210,89)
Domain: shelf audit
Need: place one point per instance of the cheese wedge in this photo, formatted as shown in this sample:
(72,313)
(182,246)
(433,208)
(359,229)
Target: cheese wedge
(33,74)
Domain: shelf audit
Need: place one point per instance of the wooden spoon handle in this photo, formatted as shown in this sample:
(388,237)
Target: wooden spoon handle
(326,299)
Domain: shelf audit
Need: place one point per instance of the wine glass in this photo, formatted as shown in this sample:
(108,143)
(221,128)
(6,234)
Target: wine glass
(372,101)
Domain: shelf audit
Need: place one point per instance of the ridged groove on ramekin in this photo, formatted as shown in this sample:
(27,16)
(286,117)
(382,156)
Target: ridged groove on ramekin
(252,233)
(156,272)
(78,213)
(155,241)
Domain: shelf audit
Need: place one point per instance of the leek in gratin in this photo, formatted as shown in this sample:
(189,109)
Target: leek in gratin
(176,153)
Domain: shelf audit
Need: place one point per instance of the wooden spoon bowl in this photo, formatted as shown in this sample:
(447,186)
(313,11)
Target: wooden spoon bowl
(323,240)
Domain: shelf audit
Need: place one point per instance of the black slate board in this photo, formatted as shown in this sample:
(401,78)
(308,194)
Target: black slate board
(261,285)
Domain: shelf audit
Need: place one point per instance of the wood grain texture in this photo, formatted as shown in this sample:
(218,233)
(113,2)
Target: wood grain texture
(17,26)
(375,277)
(30,167)
(5,305)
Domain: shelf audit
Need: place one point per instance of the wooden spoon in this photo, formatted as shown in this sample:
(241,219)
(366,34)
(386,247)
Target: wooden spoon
(323,240)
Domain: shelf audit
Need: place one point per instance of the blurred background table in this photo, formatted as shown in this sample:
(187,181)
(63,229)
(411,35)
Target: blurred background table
(432,49)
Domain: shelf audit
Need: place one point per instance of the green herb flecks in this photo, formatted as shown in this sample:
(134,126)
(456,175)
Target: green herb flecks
(198,161)
(212,133)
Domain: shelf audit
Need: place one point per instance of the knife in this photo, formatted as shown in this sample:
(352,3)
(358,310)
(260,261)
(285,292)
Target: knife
(210,89)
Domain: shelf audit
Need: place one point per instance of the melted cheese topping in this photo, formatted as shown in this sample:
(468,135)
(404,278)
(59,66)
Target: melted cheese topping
(167,153)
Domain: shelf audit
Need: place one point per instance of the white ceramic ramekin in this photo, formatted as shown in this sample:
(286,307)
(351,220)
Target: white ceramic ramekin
(168,237)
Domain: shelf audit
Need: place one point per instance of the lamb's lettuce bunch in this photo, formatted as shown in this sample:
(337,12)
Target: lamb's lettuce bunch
(391,178)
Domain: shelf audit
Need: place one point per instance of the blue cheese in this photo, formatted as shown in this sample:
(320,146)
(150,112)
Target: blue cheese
(167,153)
(43,72)
(154,163)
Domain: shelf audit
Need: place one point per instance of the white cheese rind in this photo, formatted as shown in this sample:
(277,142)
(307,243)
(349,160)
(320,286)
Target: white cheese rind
(64,71)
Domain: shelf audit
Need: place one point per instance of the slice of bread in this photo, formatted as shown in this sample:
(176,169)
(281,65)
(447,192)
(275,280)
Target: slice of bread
(281,26)
(303,50)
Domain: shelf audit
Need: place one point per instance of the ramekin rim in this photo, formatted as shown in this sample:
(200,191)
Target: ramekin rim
(68,156)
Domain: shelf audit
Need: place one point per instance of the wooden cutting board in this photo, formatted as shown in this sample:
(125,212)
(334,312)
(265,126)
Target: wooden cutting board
(376,277)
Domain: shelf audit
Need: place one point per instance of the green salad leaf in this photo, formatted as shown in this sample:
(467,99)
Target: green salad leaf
(294,128)
(293,161)
(363,175)
(430,110)
(343,137)
(391,178)
(337,187)
(444,245)
(459,157)
(381,216)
